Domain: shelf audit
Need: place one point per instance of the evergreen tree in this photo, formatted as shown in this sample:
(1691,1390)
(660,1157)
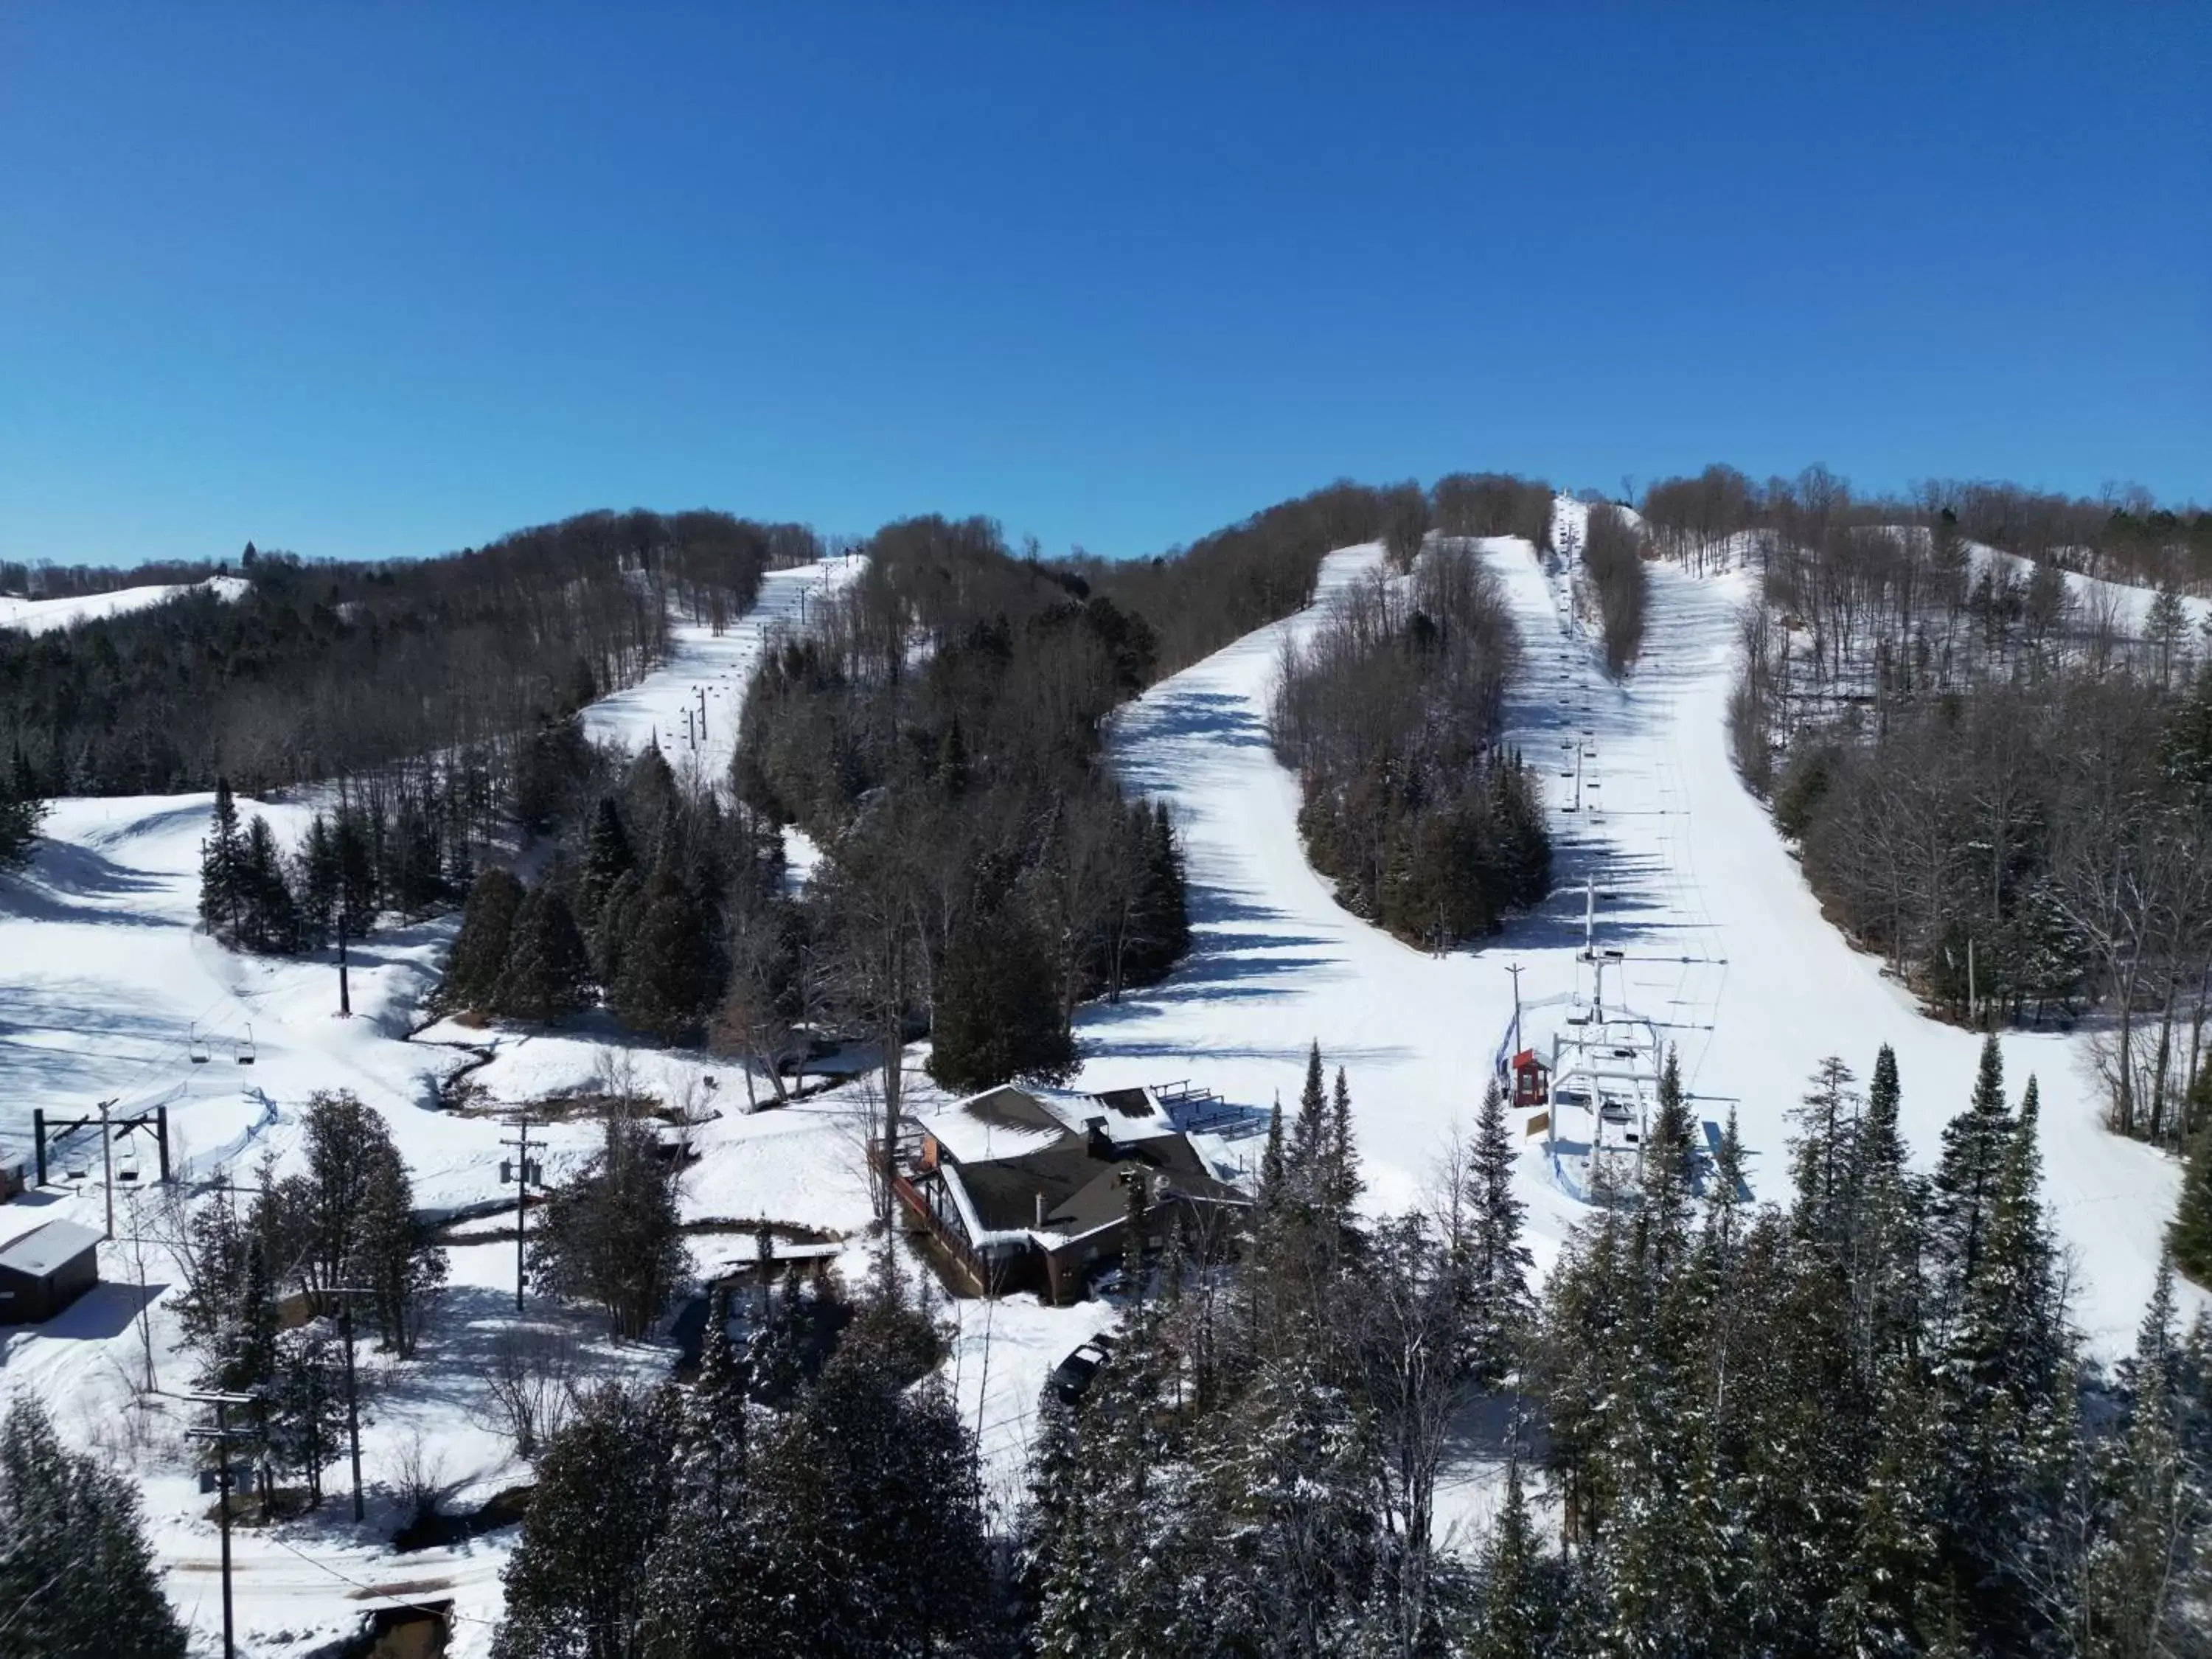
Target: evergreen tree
(952,761)
(651,796)
(2003,1408)
(1166,900)
(1309,1142)
(1885,1264)
(354,836)
(1345,1182)
(76,1575)
(1110,1591)
(22,808)
(220,880)
(1520,1596)
(267,919)
(304,1406)
(481,948)
(1893,1603)
(607,860)
(2190,1237)
(318,880)
(1498,1306)
(1663,1215)
(1975,1145)
(612,930)
(670,972)
(576,1583)
(996,1013)
(696,1587)
(547,974)
(1284,1512)
(1275,1168)
(1825,1159)
(611,1234)
(2148,1563)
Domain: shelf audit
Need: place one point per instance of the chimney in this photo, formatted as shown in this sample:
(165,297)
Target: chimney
(1040,1211)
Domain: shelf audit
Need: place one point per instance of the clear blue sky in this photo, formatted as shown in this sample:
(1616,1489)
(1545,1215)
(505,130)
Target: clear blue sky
(380,279)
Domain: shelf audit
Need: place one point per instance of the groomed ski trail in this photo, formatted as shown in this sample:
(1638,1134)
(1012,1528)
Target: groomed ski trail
(1723,941)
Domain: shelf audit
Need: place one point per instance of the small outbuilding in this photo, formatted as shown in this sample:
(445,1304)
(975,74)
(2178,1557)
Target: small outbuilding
(1532,1079)
(46,1269)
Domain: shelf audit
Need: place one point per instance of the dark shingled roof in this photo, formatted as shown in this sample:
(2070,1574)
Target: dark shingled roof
(1081,1183)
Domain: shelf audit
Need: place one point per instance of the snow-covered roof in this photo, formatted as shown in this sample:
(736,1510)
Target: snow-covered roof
(43,1249)
(1008,1122)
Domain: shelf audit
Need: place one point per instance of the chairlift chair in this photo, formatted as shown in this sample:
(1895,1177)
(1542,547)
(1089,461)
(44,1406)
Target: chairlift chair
(126,1163)
(196,1047)
(246,1052)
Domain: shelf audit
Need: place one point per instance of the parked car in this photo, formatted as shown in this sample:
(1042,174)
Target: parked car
(1071,1377)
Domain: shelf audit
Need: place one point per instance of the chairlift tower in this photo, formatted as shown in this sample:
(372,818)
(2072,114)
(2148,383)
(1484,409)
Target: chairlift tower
(1604,1079)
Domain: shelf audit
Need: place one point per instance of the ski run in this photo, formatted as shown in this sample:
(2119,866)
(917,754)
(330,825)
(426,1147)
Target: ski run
(108,993)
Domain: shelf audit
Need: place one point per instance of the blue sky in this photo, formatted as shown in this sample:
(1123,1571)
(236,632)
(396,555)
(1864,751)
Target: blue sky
(371,280)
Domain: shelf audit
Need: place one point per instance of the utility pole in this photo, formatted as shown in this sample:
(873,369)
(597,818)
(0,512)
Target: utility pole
(221,1435)
(702,690)
(345,1294)
(107,1163)
(345,992)
(522,1168)
(1514,968)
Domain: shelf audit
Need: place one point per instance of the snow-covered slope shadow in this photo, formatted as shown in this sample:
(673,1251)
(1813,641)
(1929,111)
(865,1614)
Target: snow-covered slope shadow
(1723,942)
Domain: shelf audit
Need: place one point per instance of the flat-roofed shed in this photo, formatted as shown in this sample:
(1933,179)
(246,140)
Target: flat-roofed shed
(46,1269)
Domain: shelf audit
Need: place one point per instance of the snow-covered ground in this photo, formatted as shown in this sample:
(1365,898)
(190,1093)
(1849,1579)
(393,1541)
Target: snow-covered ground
(1723,939)
(717,665)
(42,616)
(103,983)
(107,993)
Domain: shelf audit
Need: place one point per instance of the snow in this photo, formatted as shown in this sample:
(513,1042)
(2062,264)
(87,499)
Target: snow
(720,665)
(2126,605)
(105,987)
(1725,941)
(44,616)
(103,979)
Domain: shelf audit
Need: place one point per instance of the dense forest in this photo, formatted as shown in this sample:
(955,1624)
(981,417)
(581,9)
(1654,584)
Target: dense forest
(939,734)
(1856,1424)
(1196,599)
(323,671)
(1389,714)
(1999,780)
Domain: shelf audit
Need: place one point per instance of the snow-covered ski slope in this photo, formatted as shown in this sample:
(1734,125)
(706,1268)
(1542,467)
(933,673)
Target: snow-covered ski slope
(1724,940)
(718,664)
(44,616)
(106,991)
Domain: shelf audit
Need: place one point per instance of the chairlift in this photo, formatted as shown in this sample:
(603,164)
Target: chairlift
(196,1047)
(246,1051)
(126,1163)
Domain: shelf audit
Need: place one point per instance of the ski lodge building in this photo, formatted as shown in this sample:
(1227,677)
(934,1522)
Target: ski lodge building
(1026,1190)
